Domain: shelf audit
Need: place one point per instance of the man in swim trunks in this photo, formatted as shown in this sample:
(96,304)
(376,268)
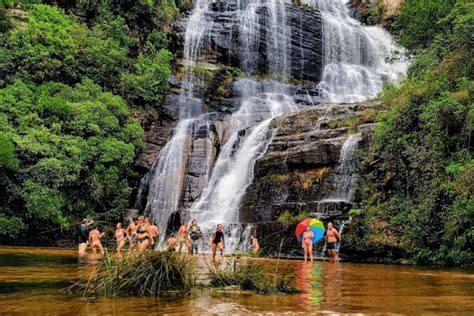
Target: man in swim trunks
(154,232)
(332,237)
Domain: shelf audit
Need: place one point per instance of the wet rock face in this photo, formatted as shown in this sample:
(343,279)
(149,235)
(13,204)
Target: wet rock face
(299,172)
(224,44)
(204,149)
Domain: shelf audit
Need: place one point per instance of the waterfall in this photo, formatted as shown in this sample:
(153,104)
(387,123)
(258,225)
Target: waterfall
(346,173)
(354,68)
(354,56)
(233,171)
(168,171)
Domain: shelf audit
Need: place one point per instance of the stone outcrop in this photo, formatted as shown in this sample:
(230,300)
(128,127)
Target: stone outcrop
(297,173)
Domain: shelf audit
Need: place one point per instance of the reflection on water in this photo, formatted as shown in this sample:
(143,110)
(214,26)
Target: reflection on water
(30,280)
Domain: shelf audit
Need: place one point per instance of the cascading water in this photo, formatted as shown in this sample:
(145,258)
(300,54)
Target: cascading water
(353,70)
(354,56)
(233,171)
(346,175)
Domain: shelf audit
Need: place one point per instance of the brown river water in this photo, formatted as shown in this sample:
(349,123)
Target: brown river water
(31,280)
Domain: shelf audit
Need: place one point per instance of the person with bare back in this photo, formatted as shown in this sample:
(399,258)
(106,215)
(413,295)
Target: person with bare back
(94,240)
(182,237)
(332,237)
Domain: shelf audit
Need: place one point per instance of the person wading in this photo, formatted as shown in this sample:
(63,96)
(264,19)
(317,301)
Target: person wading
(194,235)
(217,242)
(143,234)
(254,243)
(183,238)
(307,244)
(94,239)
(132,232)
(154,232)
(332,237)
(83,239)
(121,237)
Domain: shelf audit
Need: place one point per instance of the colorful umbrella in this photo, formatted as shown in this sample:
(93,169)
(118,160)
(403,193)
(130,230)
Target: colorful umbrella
(316,226)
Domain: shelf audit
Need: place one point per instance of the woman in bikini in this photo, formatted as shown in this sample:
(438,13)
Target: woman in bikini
(143,234)
(121,237)
(307,244)
(217,241)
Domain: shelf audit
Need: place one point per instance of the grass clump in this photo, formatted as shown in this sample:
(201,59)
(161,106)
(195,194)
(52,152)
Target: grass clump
(148,274)
(251,277)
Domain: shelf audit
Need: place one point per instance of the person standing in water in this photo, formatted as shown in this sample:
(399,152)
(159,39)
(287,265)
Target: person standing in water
(132,232)
(183,238)
(332,237)
(194,235)
(307,244)
(254,243)
(143,234)
(121,237)
(94,240)
(154,232)
(83,239)
(217,242)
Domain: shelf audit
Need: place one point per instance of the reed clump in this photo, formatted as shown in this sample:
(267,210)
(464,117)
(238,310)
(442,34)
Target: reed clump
(150,273)
(251,277)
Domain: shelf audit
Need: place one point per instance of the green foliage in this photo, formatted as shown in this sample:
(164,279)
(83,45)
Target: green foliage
(53,47)
(148,83)
(11,226)
(66,152)
(286,218)
(419,171)
(152,273)
(250,276)
(420,21)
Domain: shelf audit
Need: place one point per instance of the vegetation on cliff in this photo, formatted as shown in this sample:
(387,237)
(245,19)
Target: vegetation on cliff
(74,75)
(419,172)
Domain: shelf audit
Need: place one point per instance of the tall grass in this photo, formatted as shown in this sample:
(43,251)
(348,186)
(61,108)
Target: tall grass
(250,276)
(148,274)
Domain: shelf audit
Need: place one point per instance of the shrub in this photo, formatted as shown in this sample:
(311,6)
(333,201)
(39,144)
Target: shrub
(150,273)
(251,277)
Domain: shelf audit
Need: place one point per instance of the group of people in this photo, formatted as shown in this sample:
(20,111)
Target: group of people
(332,238)
(142,234)
(189,236)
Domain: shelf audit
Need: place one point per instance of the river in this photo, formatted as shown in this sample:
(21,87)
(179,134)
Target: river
(31,280)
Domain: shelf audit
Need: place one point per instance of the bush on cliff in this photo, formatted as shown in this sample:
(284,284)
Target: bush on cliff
(418,197)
